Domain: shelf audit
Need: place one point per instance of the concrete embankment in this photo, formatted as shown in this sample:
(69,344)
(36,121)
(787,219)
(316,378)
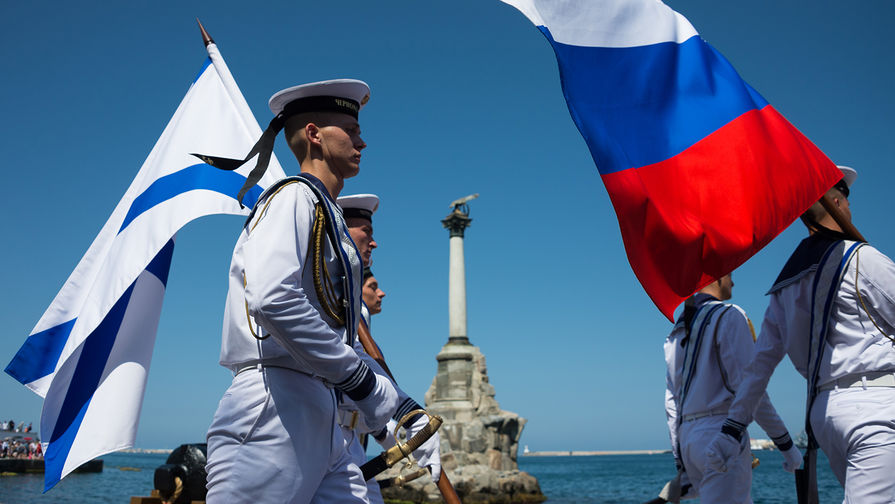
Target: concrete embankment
(591,453)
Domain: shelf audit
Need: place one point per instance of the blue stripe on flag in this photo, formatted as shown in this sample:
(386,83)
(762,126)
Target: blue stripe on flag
(38,356)
(40,353)
(198,176)
(636,106)
(160,266)
(205,65)
(84,382)
(95,352)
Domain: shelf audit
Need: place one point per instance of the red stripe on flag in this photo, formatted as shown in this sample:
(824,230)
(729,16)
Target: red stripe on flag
(693,218)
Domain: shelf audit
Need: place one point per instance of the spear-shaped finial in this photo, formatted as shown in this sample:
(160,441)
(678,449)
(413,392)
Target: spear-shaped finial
(206,38)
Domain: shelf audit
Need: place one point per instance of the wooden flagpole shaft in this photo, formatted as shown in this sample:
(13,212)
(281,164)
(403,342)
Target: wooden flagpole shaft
(366,339)
(836,213)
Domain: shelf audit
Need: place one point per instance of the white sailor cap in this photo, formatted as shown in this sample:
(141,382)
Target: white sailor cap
(359,205)
(848,174)
(848,178)
(337,95)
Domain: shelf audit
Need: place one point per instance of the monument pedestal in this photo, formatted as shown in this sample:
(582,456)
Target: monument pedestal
(479,441)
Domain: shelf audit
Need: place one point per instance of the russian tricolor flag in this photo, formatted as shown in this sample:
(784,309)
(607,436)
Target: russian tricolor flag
(701,170)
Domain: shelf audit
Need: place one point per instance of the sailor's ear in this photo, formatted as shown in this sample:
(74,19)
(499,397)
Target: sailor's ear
(313,133)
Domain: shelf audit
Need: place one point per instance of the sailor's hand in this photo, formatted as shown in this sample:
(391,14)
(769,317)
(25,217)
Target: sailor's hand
(792,459)
(429,453)
(380,404)
(725,447)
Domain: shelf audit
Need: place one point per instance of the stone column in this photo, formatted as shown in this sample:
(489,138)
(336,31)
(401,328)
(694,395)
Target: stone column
(457,222)
(453,383)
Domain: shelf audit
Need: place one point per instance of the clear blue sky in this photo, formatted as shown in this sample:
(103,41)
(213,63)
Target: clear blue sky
(465,98)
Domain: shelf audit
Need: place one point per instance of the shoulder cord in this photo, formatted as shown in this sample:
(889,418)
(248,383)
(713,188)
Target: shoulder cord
(324,288)
(326,293)
(861,299)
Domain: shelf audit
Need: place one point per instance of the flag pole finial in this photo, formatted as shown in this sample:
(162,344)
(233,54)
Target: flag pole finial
(206,38)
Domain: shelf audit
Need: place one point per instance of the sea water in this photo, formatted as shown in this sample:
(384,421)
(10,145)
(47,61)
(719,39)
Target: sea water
(564,480)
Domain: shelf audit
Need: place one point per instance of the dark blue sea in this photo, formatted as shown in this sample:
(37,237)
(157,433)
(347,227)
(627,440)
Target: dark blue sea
(598,479)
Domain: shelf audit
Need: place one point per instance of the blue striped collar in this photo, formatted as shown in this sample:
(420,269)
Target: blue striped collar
(317,183)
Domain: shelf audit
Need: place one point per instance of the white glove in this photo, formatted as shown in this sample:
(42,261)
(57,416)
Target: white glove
(792,459)
(723,449)
(387,439)
(380,404)
(429,453)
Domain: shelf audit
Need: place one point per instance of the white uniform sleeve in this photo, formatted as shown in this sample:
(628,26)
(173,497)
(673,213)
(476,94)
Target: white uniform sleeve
(405,403)
(768,352)
(876,285)
(670,399)
(274,253)
(737,348)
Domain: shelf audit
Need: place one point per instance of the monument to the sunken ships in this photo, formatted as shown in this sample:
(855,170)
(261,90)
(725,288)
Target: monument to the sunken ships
(479,441)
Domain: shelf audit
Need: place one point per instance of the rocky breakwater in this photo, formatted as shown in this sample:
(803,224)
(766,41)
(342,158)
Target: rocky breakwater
(479,441)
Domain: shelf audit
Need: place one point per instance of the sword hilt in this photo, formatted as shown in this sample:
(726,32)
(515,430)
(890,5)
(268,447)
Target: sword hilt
(394,454)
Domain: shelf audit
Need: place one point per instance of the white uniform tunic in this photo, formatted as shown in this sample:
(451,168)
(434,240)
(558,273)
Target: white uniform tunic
(274,437)
(724,351)
(853,424)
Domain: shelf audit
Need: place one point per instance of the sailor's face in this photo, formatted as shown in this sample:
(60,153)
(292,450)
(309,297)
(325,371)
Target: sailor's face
(361,231)
(373,295)
(341,144)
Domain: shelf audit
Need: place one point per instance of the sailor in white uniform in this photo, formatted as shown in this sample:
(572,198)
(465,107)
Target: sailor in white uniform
(291,318)
(705,354)
(847,289)
(358,210)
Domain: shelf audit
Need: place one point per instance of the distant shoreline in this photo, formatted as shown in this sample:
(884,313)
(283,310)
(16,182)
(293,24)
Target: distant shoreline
(576,453)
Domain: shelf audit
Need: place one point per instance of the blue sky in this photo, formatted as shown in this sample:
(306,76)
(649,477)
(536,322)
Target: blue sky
(465,98)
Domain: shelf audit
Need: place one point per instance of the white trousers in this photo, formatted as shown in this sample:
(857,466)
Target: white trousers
(274,439)
(856,430)
(358,457)
(731,487)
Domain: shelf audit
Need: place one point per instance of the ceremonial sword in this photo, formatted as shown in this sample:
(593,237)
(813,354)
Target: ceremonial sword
(372,349)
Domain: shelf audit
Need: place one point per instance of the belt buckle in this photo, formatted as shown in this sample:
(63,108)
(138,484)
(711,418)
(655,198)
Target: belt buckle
(354,419)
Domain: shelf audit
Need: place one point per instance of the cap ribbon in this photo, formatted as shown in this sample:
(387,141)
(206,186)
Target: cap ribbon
(263,148)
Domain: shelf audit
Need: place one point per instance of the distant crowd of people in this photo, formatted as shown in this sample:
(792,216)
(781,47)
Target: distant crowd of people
(21,448)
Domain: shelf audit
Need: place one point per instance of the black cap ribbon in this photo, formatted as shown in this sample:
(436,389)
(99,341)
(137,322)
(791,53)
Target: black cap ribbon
(263,148)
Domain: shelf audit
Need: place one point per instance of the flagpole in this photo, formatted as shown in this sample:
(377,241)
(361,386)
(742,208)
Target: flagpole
(206,38)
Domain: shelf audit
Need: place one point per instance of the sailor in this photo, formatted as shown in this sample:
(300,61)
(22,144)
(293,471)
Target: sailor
(358,210)
(847,356)
(291,317)
(708,348)
(372,293)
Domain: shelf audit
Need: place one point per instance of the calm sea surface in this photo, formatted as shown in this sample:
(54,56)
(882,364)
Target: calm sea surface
(604,479)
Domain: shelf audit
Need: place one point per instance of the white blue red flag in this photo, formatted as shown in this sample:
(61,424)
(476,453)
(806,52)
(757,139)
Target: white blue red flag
(701,170)
(89,354)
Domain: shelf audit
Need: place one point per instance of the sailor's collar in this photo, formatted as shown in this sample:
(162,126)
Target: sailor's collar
(699,299)
(803,260)
(317,183)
